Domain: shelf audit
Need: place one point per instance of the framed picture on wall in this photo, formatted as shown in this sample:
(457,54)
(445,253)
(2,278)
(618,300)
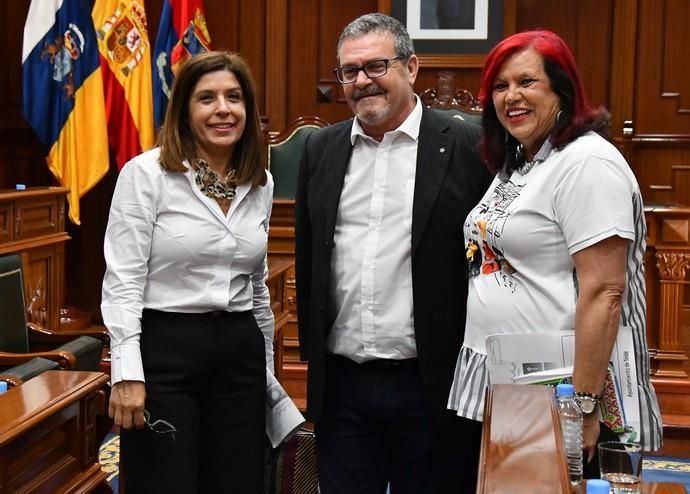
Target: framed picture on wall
(447,19)
(453,33)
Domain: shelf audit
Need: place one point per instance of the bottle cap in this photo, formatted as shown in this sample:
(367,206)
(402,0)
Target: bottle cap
(564,390)
(20,186)
(596,486)
(3,387)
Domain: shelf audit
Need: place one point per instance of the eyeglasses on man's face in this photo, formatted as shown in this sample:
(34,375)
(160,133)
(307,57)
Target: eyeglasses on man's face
(373,70)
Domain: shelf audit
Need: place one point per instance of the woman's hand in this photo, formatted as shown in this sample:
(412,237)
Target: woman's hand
(590,434)
(126,408)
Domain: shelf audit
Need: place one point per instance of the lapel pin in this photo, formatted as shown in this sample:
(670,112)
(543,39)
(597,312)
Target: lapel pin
(442,150)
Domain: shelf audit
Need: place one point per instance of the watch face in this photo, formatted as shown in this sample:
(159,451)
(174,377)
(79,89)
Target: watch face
(587,405)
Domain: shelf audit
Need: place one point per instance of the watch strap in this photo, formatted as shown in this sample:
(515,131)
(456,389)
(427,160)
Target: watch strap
(580,394)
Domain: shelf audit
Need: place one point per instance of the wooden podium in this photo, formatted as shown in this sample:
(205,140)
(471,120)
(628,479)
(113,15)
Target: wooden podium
(48,438)
(32,223)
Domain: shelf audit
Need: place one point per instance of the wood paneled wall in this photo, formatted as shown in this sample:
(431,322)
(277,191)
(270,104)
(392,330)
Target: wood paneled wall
(632,55)
(657,103)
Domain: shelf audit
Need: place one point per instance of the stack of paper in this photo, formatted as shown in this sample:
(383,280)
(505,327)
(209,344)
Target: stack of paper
(547,358)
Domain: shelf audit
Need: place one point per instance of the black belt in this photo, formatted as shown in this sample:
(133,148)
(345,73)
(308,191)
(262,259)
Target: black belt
(379,362)
(197,316)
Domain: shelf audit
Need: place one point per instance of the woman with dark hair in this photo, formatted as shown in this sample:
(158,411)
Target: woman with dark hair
(184,294)
(557,242)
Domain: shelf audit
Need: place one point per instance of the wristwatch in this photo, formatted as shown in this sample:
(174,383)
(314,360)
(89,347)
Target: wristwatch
(587,402)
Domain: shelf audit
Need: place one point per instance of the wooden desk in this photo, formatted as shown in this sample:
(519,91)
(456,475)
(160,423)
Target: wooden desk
(48,439)
(522,447)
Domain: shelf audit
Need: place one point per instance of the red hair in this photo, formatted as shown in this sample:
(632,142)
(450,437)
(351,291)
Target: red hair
(559,65)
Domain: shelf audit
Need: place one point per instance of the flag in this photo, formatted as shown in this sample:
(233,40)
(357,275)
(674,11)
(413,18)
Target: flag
(62,93)
(123,43)
(182,33)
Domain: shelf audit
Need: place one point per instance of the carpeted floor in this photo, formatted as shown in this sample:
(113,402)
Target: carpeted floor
(667,469)
(109,458)
(654,469)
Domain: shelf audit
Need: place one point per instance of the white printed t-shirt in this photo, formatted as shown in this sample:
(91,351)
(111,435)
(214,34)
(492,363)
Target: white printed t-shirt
(522,276)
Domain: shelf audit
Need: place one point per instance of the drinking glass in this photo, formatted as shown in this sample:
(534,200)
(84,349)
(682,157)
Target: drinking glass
(621,465)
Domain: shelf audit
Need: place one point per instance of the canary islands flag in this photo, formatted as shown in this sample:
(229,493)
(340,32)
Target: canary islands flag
(182,33)
(62,93)
(123,42)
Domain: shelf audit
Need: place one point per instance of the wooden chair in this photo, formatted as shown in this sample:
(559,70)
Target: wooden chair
(284,154)
(14,376)
(82,353)
(461,103)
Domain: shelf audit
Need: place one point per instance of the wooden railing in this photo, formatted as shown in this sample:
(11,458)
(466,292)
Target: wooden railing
(279,273)
(281,248)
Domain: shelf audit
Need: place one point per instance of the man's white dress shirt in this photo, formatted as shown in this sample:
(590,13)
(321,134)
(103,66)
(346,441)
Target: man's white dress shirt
(371,270)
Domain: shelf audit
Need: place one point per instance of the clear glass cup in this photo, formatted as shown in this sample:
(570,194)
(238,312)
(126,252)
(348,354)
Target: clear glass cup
(621,465)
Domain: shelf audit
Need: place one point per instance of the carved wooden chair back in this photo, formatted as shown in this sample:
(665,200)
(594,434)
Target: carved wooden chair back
(285,151)
(460,103)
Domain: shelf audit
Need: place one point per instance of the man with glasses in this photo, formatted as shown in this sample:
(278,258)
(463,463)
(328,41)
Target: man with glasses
(382,276)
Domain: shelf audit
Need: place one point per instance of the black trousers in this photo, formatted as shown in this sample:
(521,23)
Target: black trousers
(377,428)
(206,376)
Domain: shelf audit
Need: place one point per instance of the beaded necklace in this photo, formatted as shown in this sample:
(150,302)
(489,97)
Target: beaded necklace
(210,184)
(526,166)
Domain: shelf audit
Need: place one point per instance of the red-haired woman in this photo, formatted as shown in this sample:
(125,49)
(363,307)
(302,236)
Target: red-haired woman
(557,242)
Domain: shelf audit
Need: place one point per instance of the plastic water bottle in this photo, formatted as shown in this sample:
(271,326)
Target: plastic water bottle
(571,424)
(3,387)
(596,486)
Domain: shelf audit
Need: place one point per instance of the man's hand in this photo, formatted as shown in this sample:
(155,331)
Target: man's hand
(126,408)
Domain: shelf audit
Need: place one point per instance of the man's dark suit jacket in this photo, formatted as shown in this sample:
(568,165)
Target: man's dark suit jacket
(450,180)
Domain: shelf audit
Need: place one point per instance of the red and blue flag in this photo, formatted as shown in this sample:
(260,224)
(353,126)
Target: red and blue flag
(182,33)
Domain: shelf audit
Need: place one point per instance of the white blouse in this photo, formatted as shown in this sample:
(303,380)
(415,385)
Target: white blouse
(169,247)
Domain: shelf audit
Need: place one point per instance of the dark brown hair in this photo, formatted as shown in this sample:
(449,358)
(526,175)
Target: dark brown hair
(175,137)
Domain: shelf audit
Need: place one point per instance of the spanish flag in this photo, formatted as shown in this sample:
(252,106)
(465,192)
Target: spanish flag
(123,43)
(62,93)
(182,33)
